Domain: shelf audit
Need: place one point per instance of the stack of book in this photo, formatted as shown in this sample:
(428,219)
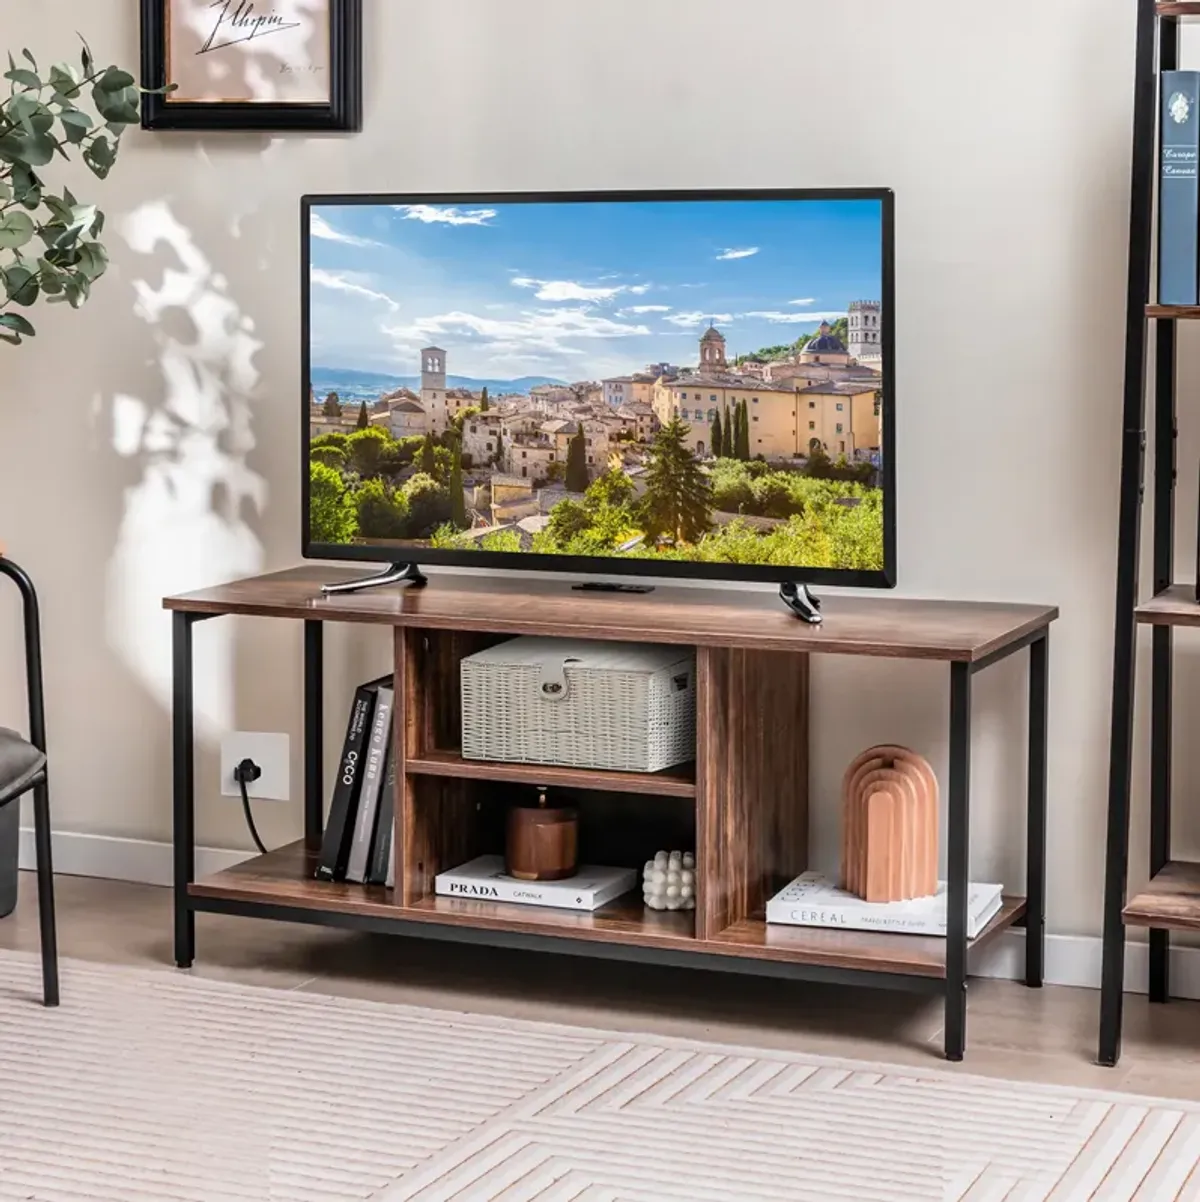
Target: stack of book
(813,901)
(1179,190)
(358,845)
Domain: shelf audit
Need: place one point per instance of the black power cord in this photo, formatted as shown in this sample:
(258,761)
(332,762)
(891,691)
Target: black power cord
(244,773)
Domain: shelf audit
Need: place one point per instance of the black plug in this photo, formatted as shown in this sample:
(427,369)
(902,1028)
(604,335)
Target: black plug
(247,772)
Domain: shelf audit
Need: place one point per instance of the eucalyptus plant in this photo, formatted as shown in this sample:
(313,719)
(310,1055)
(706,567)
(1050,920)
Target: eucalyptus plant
(49,240)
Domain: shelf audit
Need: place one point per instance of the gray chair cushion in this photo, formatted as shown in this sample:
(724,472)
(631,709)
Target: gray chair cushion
(20,765)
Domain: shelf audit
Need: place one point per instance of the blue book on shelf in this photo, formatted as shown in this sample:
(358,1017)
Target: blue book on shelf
(1179,189)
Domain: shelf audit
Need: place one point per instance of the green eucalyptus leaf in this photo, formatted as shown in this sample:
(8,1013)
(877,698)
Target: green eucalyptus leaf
(60,210)
(77,125)
(86,59)
(115,80)
(36,151)
(17,323)
(64,80)
(29,59)
(52,278)
(93,260)
(5,191)
(20,284)
(27,79)
(99,155)
(25,181)
(16,229)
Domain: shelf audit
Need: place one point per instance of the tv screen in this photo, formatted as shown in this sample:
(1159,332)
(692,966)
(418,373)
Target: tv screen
(666,384)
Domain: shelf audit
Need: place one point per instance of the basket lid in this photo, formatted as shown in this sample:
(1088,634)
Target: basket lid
(587,654)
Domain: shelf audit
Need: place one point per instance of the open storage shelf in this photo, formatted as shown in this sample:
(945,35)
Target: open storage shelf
(671,782)
(742,805)
(1170,902)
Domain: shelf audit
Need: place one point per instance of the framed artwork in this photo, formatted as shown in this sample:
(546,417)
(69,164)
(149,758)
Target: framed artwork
(252,64)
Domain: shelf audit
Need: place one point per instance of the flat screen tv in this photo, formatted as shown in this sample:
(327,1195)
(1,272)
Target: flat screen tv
(666,384)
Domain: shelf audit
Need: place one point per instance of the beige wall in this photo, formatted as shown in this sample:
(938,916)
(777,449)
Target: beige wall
(148,447)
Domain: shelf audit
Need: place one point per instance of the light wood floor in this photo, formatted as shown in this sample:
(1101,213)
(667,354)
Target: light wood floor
(1044,1035)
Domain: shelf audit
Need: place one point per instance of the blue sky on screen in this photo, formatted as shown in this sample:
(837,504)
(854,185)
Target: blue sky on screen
(581,290)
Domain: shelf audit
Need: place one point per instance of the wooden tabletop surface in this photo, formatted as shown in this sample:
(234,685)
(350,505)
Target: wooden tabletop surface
(880,625)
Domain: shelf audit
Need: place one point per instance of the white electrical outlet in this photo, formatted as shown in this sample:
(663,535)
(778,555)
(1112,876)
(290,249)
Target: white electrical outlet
(272,753)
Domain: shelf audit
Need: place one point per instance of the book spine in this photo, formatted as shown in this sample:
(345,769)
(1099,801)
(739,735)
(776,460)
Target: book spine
(385,825)
(335,846)
(390,880)
(372,779)
(1179,189)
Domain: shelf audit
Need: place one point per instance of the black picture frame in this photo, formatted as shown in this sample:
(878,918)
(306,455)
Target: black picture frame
(394,553)
(343,113)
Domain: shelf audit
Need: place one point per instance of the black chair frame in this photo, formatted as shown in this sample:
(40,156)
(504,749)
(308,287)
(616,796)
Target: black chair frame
(40,785)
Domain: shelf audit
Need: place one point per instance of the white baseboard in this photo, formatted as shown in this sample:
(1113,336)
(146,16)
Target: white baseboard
(137,860)
(1070,959)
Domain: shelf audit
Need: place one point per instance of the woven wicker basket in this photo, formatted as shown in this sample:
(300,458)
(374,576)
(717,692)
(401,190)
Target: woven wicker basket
(580,704)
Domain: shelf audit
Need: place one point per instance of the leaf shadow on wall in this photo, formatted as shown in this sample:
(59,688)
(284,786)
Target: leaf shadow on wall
(190,518)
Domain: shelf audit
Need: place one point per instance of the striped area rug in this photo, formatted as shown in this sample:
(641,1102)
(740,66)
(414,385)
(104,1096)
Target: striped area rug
(152,1086)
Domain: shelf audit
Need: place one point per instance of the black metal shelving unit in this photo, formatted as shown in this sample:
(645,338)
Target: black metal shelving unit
(1172,898)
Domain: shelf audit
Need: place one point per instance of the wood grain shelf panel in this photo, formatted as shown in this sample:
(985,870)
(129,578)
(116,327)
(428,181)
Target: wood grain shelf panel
(625,920)
(1170,902)
(1178,8)
(753,620)
(284,878)
(672,782)
(871,951)
(1174,312)
(1175,606)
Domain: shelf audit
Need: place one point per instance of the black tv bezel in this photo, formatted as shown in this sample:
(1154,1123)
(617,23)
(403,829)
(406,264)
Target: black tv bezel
(600,565)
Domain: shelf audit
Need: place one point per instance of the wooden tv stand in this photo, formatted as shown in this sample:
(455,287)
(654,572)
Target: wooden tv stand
(744,801)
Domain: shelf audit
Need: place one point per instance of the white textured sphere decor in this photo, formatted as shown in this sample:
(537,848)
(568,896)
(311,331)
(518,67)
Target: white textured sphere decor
(154,1086)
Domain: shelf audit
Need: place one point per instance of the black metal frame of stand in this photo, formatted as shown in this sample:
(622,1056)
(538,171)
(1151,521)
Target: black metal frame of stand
(1157,50)
(953,986)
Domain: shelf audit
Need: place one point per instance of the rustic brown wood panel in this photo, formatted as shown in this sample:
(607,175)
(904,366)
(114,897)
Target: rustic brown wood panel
(672,782)
(1178,8)
(1171,901)
(441,830)
(284,877)
(871,951)
(755,620)
(752,780)
(1175,606)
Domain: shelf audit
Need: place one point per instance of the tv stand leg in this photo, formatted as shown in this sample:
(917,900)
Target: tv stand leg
(398,573)
(801,602)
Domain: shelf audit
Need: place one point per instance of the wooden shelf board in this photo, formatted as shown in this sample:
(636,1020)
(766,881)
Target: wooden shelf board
(1175,606)
(1178,8)
(754,620)
(1175,312)
(625,920)
(672,782)
(874,951)
(284,878)
(1171,901)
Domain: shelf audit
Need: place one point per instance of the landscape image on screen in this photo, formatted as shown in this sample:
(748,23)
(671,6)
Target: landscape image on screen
(671,380)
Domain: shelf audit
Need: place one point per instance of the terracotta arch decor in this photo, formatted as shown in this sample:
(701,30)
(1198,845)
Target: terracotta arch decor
(889,826)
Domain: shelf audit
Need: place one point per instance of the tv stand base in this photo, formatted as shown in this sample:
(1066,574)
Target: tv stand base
(595,586)
(398,573)
(801,602)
